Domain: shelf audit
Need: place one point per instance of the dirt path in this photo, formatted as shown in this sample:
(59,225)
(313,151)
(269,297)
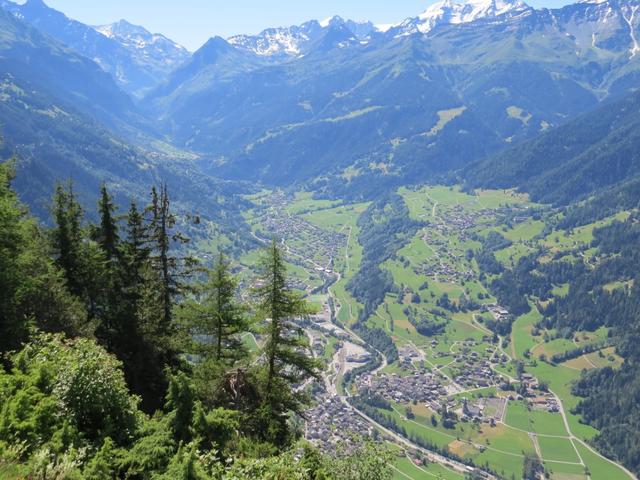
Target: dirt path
(534,439)
(435,205)
(585,356)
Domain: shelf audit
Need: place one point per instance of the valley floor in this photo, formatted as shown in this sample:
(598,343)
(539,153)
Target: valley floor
(461,367)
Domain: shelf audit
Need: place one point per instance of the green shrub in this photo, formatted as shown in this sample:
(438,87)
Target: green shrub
(64,393)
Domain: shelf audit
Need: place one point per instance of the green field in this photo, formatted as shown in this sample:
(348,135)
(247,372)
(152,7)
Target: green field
(558,449)
(521,337)
(249,341)
(405,469)
(565,471)
(433,264)
(535,421)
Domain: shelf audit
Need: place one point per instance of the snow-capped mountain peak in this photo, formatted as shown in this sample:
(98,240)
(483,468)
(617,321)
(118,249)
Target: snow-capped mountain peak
(277,41)
(136,36)
(145,46)
(471,10)
(331,21)
(294,40)
(123,30)
(451,12)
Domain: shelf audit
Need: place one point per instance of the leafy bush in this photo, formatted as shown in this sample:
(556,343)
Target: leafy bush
(59,388)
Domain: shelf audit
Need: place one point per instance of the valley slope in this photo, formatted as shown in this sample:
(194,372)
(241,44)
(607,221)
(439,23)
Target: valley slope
(572,162)
(64,118)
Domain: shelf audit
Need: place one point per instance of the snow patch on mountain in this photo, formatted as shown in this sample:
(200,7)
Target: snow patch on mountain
(276,41)
(293,41)
(138,38)
(326,22)
(385,27)
(451,12)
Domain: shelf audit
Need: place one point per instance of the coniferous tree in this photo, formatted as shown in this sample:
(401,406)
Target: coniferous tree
(33,291)
(136,251)
(113,312)
(214,320)
(134,260)
(162,222)
(12,328)
(67,237)
(156,277)
(152,348)
(81,260)
(67,405)
(107,234)
(134,255)
(287,355)
(171,268)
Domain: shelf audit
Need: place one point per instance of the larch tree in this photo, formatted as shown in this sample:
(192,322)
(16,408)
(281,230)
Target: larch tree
(172,268)
(287,358)
(214,320)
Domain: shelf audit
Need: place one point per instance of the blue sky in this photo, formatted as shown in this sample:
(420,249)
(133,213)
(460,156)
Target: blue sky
(192,22)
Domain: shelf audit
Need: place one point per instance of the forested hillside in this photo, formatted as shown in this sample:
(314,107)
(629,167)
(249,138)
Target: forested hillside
(571,162)
(334,250)
(594,159)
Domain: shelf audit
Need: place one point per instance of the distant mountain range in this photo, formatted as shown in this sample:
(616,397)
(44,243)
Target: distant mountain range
(343,107)
(297,40)
(64,118)
(355,106)
(137,59)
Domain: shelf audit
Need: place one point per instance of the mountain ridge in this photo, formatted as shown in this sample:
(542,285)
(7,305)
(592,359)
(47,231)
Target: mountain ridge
(135,69)
(62,117)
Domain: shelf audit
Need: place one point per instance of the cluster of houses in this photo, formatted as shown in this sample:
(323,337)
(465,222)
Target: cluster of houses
(472,371)
(408,355)
(420,387)
(441,271)
(332,422)
(313,242)
(546,403)
(537,397)
(458,220)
